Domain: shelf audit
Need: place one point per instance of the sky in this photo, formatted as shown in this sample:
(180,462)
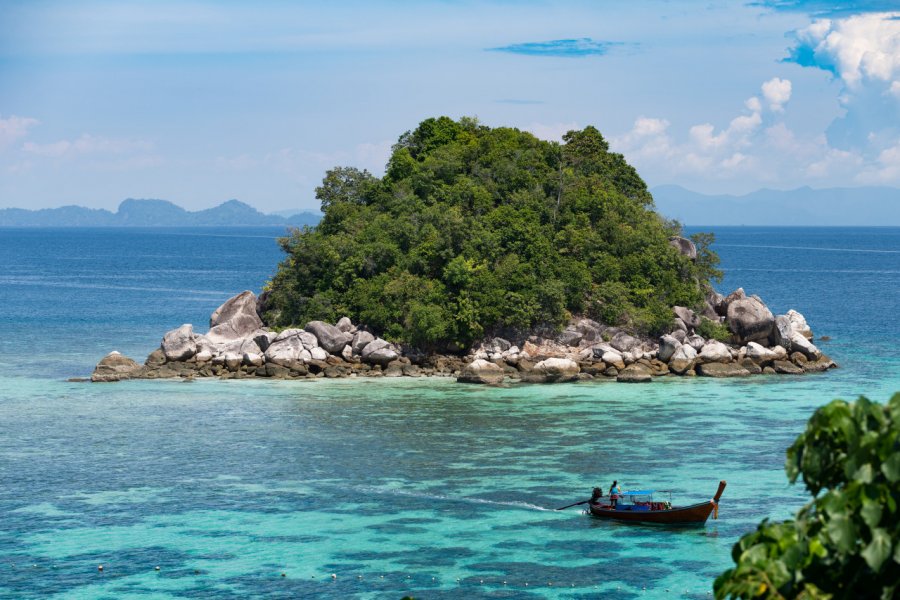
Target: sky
(201,102)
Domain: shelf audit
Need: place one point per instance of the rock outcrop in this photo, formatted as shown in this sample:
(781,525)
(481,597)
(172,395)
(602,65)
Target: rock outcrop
(553,370)
(180,344)
(239,345)
(235,319)
(331,338)
(749,319)
(667,347)
(718,369)
(684,246)
(683,359)
(636,373)
(481,371)
(115,367)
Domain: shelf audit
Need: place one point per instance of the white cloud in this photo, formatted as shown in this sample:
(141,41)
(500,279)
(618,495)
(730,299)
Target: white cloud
(777,92)
(551,132)
(755,148)
(736,160)
(374,157)
(305,166)
(886,169)
(736,135)
(831,161)
(858,48)
(14,128)
(86,144)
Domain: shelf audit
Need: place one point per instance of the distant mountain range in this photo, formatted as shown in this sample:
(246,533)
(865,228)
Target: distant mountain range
(804,206)
(152,213)
(800,207)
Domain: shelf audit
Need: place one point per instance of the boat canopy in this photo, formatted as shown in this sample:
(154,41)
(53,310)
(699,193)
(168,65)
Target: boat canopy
(639,493)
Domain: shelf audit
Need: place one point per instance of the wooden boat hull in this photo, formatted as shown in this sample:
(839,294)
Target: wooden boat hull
(695,513)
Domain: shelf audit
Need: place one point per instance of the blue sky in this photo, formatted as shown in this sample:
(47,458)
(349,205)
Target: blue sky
(199,102)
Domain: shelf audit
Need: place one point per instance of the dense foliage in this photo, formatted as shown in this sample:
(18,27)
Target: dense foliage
(473,230)
(846,542)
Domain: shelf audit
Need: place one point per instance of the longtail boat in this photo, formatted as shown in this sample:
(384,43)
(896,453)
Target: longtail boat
(638,506)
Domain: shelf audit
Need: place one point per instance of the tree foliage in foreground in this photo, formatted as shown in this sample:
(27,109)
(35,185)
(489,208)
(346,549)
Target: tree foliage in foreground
(473,230)
(846,542)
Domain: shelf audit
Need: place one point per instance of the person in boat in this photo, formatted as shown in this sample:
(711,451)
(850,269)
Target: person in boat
(596,495)
(614,491)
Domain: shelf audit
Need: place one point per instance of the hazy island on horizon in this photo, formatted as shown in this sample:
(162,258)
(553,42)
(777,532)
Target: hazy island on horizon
(153,213)
(867,206)
(804,206)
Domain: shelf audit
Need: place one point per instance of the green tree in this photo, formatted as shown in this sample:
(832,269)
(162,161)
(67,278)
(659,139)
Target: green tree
(845,543)
(474,230)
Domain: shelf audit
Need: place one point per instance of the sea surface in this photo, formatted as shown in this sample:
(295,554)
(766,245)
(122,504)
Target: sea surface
(381,488)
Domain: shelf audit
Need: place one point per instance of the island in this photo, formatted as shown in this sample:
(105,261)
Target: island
(488,255)
(152,213)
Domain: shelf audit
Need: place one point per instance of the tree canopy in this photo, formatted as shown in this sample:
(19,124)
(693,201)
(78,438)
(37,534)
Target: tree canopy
(845,543)
(474,230)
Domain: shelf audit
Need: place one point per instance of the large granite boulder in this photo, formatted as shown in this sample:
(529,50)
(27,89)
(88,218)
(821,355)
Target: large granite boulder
(687,316)
(481,371)
(236,318)
(782,332)
(214,348)
(683,359)
(590,330)
(667,347)
(570,336)
(718,369)
(800,344)
(749,320)
(330,337)
(288,350)
(379,352)
(738,294)
(557,369)
(684,246)
(714,351)
(345,325)
(786,367)
(635,373)
(822,364)
(760,354)
(180,344)
(695,341)
(496,345)
(717,302)
(612,358)
(799,324)
(360,340)
(713,306)
(115,367)
(624,342)
(241,305)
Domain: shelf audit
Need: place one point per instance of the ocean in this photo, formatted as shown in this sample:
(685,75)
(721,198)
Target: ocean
(381,488)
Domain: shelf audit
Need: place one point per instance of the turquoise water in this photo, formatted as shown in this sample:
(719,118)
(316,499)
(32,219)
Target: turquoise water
(395,486)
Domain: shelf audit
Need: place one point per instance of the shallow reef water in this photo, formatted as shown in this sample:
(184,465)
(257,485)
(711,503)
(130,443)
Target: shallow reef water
(264,489)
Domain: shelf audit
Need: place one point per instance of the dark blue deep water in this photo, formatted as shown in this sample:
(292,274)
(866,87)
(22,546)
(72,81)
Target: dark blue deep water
(394,486)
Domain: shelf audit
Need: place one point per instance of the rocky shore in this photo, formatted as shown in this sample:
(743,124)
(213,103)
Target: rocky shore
(239,345)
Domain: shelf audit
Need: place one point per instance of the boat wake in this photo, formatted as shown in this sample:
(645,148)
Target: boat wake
(444,498)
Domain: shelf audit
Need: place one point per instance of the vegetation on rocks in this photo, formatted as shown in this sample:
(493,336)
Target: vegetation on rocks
(713,330)
(475,230)
(846,542)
